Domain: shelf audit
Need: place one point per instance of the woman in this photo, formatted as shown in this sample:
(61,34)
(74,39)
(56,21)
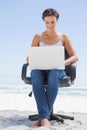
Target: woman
(50,37)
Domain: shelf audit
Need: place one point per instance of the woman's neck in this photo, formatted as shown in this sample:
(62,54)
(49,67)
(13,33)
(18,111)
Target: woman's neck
(53,32)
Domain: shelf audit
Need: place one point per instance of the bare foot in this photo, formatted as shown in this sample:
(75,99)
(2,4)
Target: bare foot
(37,124)
(45,122)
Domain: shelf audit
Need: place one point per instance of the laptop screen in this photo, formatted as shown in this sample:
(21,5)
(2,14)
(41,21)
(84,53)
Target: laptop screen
(45,58)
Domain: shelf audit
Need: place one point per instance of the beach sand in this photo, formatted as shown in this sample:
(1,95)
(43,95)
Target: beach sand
(16,107)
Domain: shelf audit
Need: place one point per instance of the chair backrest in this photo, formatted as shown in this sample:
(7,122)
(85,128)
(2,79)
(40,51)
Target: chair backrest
(70,69)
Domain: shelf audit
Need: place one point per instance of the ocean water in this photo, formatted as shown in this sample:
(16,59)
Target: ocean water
(15,88)
(28,88)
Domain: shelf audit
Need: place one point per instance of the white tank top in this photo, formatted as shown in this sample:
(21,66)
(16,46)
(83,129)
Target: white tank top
(59,43)
(55,44)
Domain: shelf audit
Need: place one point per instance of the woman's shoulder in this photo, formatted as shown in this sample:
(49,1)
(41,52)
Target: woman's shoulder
(63,35)
(36,40)
(37,36)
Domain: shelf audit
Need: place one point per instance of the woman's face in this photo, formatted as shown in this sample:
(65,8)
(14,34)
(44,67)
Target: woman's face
(50,22)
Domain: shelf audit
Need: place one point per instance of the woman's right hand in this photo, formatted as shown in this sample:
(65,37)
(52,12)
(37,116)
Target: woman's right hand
(27,59)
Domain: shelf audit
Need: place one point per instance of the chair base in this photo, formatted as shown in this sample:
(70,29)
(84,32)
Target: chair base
(57,117)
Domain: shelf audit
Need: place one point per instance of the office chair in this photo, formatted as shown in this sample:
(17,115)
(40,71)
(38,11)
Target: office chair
(65,82)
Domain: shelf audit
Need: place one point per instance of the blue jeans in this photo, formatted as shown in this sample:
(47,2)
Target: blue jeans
(45,97)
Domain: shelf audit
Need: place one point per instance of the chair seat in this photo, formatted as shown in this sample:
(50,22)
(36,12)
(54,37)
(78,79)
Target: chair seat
(64,82)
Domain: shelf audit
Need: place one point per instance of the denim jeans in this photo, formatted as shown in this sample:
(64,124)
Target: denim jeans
(45,97)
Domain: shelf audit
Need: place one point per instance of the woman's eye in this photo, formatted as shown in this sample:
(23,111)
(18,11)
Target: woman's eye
(47,22)
(52,22)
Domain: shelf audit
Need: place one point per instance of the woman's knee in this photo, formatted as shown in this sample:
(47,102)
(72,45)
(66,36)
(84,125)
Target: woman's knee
(36,76)
(52,73)
(35,73)
(55,75)
(52,77)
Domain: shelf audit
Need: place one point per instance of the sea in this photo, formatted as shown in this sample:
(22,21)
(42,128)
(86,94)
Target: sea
(28,88)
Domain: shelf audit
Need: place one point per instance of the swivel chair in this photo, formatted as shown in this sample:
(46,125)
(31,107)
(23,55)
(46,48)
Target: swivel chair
(65,82)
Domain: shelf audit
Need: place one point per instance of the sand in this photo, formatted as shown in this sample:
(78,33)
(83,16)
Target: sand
(16,107)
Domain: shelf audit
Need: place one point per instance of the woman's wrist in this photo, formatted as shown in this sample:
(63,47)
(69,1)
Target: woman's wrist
(67,62)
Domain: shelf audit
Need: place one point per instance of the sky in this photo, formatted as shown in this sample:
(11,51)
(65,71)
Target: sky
(20,20)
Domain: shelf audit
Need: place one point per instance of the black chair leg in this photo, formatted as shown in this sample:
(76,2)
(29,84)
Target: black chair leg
(60,118)
(57,117)
(33,117)
(65,116)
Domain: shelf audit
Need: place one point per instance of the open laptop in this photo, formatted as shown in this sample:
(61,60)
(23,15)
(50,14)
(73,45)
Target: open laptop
(45,58)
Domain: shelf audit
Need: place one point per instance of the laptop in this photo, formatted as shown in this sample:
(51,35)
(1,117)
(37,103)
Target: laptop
(46,58)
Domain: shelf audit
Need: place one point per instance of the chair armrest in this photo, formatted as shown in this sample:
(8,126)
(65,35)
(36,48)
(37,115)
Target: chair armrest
(24,71)
(71,71)
(24,77)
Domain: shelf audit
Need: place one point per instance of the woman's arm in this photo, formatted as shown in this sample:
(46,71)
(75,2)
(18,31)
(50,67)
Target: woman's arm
(35,42)
(69,48)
